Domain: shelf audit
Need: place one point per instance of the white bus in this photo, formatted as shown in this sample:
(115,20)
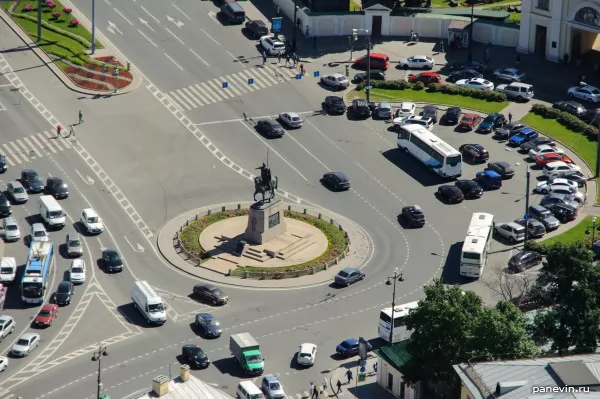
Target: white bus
(430,150)
(476,245)
(399,314)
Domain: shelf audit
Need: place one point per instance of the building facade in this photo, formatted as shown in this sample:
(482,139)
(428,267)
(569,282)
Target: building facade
(389,377)
(560,30)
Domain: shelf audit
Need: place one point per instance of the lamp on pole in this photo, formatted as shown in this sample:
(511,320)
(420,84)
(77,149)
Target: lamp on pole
(97,357)
(471,31)
(93,26)
(593,230)
(527,190)
(355,33)
(397,276)
(39,21)
(294,42)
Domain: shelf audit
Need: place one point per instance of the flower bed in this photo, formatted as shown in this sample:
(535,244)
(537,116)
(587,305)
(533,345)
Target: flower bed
(94,71)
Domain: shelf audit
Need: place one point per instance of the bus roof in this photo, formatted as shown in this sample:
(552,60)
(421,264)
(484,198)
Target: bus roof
(434,141)
(38,259)
(474,244)
(401,310)
(482,219)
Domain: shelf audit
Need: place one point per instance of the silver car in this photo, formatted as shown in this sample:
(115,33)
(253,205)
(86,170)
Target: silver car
(291,119)
(384,111)
(74,245)
(16,192)
(10,229)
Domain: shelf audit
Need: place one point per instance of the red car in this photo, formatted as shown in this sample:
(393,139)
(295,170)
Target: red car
(425,77)
(469,121)
(46,316)
(542,160)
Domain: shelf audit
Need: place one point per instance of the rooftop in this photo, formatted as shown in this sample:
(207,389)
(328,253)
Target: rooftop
(194,388)
(396,355)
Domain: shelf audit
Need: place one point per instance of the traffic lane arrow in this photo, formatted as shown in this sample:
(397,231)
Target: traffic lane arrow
(144,22)
(112,28)
(178,23)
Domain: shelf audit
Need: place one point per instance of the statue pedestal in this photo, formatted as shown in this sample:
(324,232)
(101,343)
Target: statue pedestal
(265,221)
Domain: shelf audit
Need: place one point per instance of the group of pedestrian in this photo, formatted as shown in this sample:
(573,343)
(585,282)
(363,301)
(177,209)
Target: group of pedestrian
(314,391)
(291,59)
(414,36)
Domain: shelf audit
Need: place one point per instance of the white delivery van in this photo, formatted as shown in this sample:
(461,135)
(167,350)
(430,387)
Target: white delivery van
(8,270)
(149,303)
(249,390)
(52,212)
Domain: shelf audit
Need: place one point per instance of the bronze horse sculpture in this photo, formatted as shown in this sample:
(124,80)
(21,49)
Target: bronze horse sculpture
(265,188)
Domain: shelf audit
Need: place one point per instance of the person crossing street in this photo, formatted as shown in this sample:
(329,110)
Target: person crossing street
(349,375)
(80,117)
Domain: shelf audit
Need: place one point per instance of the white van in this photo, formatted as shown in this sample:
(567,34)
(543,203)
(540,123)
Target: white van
(8,270)
(51,212)
(249,390)
(149,303)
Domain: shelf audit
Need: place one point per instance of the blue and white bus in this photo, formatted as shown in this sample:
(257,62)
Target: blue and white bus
(35,276)
(430,150)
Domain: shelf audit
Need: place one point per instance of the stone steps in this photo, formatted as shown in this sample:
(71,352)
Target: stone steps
(297,248)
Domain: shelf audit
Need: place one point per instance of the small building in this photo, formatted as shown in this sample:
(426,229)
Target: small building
(569,377)
(390,359)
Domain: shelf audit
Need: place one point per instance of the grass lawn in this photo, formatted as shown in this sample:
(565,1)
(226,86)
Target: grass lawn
(355,5)
(579,143)
(436,98)
(576,233)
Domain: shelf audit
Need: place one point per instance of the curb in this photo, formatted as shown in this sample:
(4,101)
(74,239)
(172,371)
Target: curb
(48,62)
(165,246)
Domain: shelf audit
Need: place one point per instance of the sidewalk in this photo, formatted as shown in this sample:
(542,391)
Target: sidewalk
(367,389)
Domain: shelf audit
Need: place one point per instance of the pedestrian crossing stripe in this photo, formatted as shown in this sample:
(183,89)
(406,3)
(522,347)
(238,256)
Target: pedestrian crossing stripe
(33,146)
(210,92)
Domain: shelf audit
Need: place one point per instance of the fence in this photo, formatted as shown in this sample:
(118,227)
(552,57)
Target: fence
(263,275)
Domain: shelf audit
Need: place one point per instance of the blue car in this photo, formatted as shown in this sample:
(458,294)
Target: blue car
(524,135)
(489,180)
(349,347)
(473,65)
(491,123)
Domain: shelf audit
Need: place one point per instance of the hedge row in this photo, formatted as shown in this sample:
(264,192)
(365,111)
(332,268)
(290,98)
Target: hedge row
(571,122)
(445,88)
(56,29)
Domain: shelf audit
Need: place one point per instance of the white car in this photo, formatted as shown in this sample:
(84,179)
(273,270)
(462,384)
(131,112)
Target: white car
(291,119)
(544,187)
(272,45)
(424,121)
(38,233)
(584,92)
(475,83)
(25,344)
(544,149)
(558,169)
(336,80)
(511,231)
(77,271)
(416,62)
(509,74)
(567,190)
(91,221)
(406,110)
(11,229)
(7,326)
(3,363)
(307,355)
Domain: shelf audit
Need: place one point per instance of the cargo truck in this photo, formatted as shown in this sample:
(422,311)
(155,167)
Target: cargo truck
(246,352)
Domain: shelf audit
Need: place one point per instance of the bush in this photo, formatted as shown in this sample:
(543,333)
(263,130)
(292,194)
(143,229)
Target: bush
(75,22)
(418,86)
(56,15)
(532,245)
(435,88)
(571,122)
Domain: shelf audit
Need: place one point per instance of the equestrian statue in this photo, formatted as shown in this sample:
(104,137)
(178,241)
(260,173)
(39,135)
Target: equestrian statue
(264,184)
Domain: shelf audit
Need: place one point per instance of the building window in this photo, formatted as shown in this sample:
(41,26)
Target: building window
(390,382)
(543,5)
(588,16)
(402,390)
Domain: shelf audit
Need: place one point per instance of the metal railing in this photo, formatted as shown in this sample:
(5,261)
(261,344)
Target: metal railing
(197,261)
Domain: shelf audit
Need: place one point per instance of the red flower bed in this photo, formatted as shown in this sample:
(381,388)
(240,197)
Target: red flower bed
(95,72)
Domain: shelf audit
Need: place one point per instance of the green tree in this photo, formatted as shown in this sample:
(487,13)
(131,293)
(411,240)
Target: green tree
(570,281)
(451,327)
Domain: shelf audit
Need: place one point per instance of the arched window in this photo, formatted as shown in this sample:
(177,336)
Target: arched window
(588,16)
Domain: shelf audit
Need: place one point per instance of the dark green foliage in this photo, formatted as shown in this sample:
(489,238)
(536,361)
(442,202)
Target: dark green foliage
(566,119)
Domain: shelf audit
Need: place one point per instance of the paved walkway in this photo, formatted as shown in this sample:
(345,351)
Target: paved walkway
(360,250)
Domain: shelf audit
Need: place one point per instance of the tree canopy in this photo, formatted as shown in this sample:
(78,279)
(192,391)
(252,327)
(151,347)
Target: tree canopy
(451,327)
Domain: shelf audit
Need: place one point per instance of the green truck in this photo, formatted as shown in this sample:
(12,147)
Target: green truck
(246,352)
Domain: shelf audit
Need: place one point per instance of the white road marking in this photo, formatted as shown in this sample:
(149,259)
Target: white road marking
(175,36)
(200,58)
(137,248)
(123,16)
(252,117)
(87,180)
(211,38)
(147,38)
(150,15)
(173,61)
(144,22)
(181,11)
(213,15)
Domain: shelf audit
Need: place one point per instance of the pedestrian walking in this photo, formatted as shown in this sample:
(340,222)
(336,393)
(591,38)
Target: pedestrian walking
(264,58)
(279,58)
(287,59)
(339,386)
(417,37)
(442,46)
(296,59)
(311,390)
(509,117)
(324,384)
(349,375)
(80,117)
(302,69)
(315,394)
(375,367)
(58,130)
(412,35)
(71,131)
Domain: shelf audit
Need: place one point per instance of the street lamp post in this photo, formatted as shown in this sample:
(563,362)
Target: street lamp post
(368,86)
(587,231)
(397,276)
(527,190)
(93,26)
(102,351)
(294,42)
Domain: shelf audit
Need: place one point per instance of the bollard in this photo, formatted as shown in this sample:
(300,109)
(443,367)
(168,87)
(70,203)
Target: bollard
(223,209)
(246,274)
(289,208)
(331,221)
(208,212)
(239,206)
(304,211)
(319,216)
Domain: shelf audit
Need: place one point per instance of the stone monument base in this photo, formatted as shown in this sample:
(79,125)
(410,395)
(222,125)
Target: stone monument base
(265,222)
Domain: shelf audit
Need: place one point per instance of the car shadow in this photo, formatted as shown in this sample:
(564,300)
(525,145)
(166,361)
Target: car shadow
(451,271)
(294,365)
(133,316)
(229,366)
(411,167)
(333,285)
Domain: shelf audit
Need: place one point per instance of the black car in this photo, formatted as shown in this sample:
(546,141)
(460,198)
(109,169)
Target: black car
(452,116)
(335,181)
(256,28)
(472,66)
(470,188)
(362,76)
(430,111)
(450,194)
(270,128)
(413,216)
(463,74)
(208,325)
(563,212)
(592,116)
(111,260)
(334,105)
(524,260)
(360,108)
(535,228)
(5,207)
(64,293)
(540,140)
(475,152)
(3,163)
(572,107)
(57,188)
(508,130)
(195,356)
(577,177)
(502,168)
(31,180)
(210,293)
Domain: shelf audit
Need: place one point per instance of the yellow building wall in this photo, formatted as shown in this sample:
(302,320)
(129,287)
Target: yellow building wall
(465,393)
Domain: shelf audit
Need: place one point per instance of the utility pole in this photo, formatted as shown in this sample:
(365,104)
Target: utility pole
(527,190)
(93,26)
(295,30)
(395,277)
(97,357)
(39,21)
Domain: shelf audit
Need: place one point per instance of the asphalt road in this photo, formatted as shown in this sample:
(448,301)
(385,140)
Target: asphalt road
(138,167)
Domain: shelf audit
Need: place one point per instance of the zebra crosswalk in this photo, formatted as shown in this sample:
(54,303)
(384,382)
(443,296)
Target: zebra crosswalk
(34,146)
(212,91)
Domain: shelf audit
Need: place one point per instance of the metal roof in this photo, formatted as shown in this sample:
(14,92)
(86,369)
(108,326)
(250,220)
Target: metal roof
(576,373)
(396,355)
(194,388)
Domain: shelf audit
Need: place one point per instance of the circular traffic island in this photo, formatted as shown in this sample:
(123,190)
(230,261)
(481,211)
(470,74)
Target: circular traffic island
(311,243)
